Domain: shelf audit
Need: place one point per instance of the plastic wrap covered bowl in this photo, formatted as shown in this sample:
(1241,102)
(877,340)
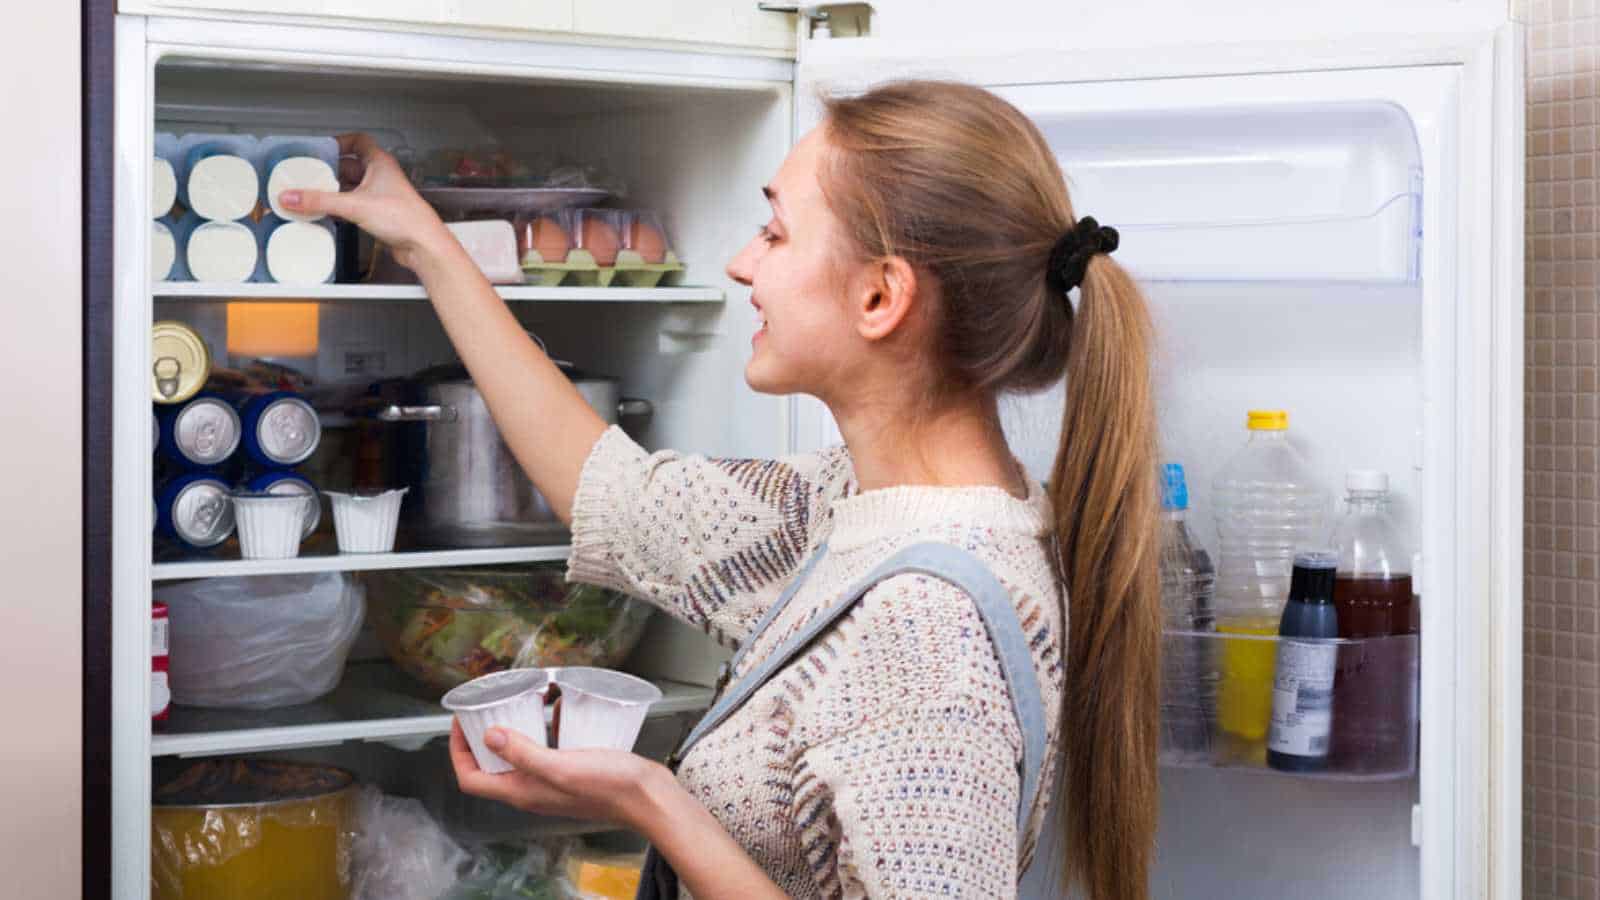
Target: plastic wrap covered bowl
(447,626)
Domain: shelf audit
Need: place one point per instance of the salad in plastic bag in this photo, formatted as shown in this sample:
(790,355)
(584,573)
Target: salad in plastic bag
(448,626)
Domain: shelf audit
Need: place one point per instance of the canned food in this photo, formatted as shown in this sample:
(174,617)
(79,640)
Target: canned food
(197,509)
(179,362)
(203,432)
(280,429)
(160,689)
(289,483)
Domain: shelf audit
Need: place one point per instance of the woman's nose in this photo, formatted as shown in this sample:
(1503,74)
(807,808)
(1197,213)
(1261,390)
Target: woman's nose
(742,268)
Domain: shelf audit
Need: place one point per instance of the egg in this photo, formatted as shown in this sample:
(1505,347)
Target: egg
(546,237)
(601,239)
(646,240)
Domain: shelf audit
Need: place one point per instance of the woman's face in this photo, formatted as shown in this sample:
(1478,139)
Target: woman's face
(798,267)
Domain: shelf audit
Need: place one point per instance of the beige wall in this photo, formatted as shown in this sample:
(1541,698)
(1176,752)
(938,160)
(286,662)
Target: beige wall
(40,411)
(1561,741)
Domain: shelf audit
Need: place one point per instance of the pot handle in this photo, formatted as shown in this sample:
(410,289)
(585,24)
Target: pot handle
(633,406)
(417,414)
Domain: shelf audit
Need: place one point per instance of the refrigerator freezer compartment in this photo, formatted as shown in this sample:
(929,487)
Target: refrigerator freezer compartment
(374,702)
(1223,695)
(1307,192)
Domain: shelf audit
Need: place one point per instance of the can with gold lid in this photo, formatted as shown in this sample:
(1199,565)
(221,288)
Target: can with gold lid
(180,363)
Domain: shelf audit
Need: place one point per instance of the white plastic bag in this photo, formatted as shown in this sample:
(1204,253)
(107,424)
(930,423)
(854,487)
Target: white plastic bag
(399,852)
(260,642)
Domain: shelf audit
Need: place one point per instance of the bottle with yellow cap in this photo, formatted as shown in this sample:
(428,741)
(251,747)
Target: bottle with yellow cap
(1268,505)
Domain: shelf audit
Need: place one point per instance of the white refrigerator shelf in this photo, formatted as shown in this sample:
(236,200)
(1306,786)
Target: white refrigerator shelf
(355,562)
(374,702)
(195,290)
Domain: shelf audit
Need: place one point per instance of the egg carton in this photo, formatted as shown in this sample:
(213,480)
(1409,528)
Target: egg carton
(625,239)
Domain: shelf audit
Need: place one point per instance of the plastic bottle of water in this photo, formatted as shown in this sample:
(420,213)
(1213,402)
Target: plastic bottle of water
(1268,506)
(1189,680)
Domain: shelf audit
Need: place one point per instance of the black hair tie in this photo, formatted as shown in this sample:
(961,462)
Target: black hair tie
(1069,258)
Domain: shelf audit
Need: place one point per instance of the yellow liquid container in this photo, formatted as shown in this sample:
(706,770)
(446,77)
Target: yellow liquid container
(252,830)
(1244,689)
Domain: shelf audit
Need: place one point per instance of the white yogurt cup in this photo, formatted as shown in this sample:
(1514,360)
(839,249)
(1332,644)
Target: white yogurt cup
(221,252)
(513,699)
(601,708)
(271,525)
(365,523)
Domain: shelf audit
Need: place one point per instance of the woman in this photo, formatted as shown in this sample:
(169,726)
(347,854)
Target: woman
(921,259)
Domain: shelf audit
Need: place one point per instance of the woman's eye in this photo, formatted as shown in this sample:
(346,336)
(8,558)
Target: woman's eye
(766,234)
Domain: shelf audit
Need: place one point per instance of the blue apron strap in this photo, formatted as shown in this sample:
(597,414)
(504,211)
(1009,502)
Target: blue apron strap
(947,563)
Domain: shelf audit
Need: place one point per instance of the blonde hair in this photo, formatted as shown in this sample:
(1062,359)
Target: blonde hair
(961,185)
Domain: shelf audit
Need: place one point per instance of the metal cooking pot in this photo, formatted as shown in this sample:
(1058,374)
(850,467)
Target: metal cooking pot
(472,491)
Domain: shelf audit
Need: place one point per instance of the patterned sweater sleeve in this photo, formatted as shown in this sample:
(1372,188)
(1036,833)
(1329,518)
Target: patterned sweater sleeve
(918,798)
(710,541)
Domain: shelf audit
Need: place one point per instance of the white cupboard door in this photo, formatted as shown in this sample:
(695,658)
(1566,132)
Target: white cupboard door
(732,23)
(520,15)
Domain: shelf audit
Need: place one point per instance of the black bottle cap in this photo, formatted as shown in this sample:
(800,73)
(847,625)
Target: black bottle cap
(1312,578)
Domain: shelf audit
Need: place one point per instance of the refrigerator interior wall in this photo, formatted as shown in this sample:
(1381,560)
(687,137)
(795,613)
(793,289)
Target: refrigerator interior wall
(697,154)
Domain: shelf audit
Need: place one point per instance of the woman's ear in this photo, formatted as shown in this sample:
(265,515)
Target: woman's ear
(886,297)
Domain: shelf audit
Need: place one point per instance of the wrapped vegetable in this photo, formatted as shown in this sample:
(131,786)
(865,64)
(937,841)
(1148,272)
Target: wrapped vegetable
(448,626)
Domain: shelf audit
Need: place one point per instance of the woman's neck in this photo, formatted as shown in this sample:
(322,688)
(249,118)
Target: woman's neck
(960,445)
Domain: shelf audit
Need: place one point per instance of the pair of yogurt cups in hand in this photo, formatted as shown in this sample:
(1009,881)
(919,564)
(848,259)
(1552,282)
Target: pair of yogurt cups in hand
(600,709)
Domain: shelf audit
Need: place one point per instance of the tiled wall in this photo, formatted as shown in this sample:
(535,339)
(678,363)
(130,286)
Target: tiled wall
(1561,769)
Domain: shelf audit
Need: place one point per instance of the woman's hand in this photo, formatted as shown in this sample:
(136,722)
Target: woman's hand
(383,202)
(603,785)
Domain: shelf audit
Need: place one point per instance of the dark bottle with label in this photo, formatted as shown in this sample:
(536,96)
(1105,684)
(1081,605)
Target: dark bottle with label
(1374,596)
(1308,656)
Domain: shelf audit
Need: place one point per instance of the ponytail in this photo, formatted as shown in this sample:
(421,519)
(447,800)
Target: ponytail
(1104,495)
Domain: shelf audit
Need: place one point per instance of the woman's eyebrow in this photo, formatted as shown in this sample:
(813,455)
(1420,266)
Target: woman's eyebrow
(771,194)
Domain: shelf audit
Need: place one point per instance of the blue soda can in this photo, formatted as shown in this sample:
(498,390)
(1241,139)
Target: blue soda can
(289,483)
(203,432)
(280,429)
(196,508)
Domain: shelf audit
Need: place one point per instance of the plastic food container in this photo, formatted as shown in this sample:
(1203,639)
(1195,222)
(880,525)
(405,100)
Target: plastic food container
(292,162)
(595,247)
(513,699)
(270,525)
(601,708)
(365,523)
(448,626)
(252,830)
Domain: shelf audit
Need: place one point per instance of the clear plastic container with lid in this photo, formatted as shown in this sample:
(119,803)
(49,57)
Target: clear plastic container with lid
(1268,505)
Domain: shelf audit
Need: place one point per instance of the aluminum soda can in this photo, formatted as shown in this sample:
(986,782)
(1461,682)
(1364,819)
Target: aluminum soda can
(280,429)
(203,432)
(180,362)
(160,688)
(197,509)
(280,482)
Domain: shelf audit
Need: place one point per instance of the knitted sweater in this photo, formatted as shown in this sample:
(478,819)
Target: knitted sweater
(881,762)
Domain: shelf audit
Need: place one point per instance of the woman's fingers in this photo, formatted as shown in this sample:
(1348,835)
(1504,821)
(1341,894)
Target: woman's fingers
(345,204)
(518,749)
(359,144)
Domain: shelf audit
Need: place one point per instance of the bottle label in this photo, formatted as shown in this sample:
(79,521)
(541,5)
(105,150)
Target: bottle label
(1302,698)
(158,637)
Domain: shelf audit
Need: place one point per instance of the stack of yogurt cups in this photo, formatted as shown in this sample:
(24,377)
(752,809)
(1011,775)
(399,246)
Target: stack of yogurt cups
(232,228)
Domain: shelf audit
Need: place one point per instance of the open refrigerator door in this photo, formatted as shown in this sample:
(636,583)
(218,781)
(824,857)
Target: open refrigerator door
(1335,234)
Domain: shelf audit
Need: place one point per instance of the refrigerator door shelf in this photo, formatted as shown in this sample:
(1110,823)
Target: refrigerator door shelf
(1320,191)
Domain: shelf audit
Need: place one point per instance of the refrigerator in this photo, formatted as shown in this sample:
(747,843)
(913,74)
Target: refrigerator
(1334,229)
